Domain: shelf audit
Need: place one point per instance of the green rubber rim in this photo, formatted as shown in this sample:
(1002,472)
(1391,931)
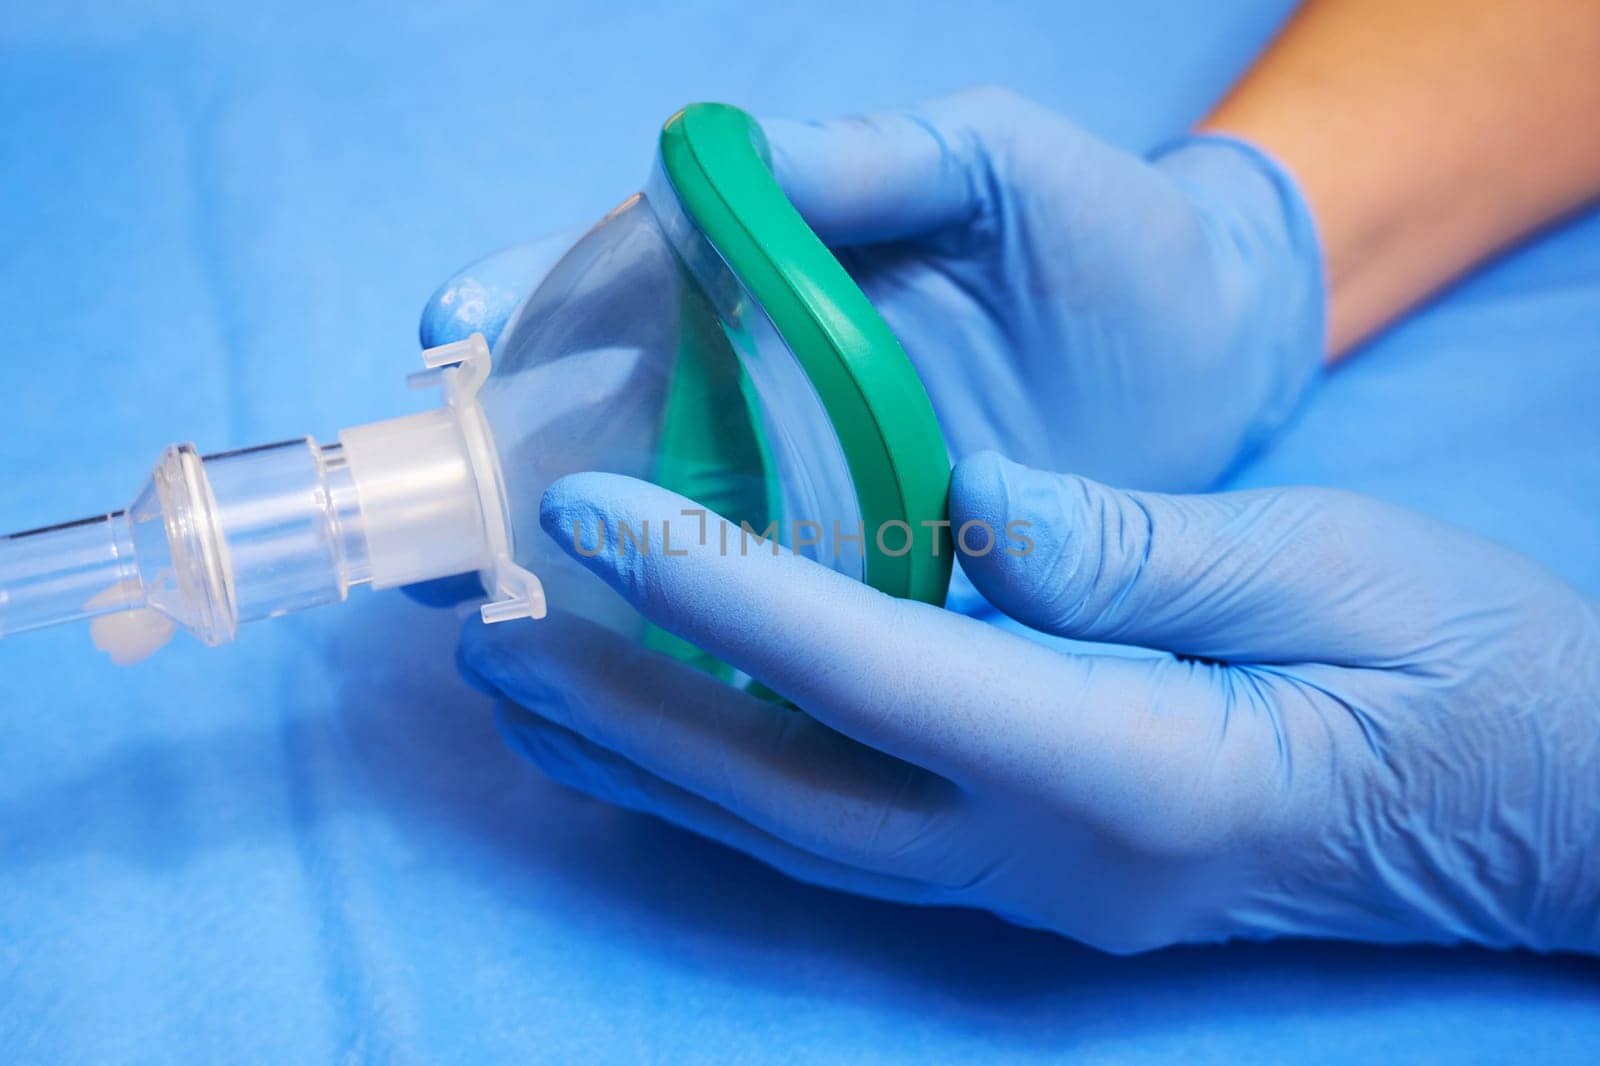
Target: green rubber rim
(717,160)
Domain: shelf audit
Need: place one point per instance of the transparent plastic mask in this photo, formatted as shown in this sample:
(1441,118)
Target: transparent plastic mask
(641,354)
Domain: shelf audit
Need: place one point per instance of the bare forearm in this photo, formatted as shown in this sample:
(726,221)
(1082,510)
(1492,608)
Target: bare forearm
(1426,134)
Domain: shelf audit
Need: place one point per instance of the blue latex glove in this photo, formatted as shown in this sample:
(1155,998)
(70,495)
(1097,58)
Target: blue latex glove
(481,297)
(1357,722)
(1065,303)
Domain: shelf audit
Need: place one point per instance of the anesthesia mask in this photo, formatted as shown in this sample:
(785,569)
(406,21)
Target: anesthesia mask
(700,336)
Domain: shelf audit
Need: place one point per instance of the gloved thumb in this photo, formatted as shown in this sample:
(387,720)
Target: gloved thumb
(1267,576)
(888,176)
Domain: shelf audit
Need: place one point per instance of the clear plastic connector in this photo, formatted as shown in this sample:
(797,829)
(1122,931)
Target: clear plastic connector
(211,542)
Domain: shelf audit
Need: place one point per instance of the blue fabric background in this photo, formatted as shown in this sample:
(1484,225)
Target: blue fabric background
(219,225)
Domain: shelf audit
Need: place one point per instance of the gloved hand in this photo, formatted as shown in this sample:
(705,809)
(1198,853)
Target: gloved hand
(1065,303)
(1355,721)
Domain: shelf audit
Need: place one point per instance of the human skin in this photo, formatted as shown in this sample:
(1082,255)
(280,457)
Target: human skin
(1426,135)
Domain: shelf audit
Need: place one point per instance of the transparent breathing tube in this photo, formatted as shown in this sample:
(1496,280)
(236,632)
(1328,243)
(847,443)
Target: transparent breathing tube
(212,542)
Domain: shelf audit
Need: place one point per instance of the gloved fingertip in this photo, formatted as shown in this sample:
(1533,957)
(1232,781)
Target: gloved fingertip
(783,136)
(864,179)
(802,152)
(462,306)
(575,505)
(613,525)
(482,297)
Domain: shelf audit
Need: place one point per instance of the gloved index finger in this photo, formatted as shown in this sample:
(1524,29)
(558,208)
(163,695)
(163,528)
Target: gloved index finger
(970,702)
(889,176)
(803,630)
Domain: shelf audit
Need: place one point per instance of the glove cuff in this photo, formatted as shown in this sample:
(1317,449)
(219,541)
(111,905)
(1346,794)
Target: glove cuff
(1269,227)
